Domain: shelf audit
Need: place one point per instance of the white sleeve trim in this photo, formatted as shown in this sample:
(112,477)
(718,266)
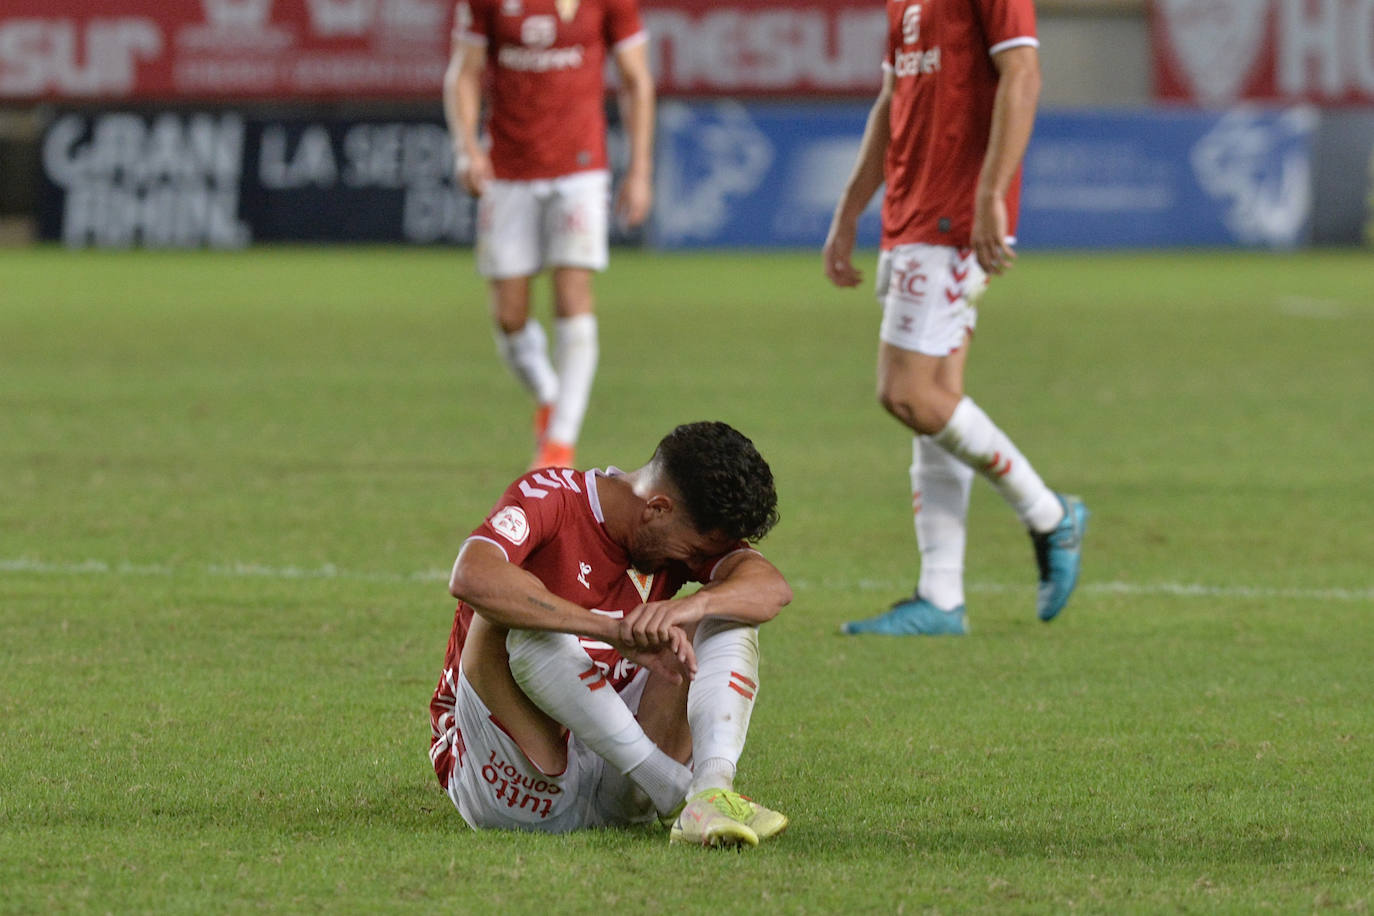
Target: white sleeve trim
(629,41)
(1023,41)
(478,537)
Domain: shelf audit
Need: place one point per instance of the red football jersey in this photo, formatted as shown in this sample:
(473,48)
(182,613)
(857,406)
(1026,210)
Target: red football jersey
(546,60)
(550,523)
(940,52)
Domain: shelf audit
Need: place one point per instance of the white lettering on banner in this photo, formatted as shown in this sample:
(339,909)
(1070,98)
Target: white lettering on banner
(40,56)
(172,182)
(1216,42)
(397,155)
(1325,51)
(356,18)
(311,163)
(237,14)
(769,49)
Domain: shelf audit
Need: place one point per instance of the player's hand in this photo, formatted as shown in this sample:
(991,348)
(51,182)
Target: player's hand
(989,236)
(474,172)
(673,660)
(838,253)
(652,625)
(635,198)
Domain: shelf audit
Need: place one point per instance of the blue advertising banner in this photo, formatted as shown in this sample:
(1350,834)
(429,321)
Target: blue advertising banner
(735,175)
(1157,178)
(731,174)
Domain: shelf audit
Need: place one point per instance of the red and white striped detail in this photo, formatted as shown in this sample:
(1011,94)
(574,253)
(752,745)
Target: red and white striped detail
(742,685)
(594,678)
(998,466)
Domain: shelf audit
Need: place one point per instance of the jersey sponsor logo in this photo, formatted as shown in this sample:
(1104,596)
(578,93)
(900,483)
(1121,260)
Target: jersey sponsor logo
(916,63)
(511,524)
(911,24)
(532,60)
(583,568)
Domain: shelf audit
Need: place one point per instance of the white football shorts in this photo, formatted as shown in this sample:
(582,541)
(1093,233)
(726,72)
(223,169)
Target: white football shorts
(494,785)
(929,295)
(525,226)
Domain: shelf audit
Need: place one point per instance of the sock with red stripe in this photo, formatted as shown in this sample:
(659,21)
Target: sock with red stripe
(721,700)
(554,671)
(974,439)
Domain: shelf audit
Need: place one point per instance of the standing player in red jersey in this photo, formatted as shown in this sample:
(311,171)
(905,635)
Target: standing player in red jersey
(961,80)
(564,592)
(544,185)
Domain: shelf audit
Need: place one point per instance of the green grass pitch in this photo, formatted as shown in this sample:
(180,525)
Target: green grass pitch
(231,486)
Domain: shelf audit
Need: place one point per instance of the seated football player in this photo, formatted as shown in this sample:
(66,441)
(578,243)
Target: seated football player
(577,691)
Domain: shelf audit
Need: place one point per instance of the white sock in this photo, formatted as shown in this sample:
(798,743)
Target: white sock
(526,353)
(940,488)
(575,352)
(554,672)
(721,699)
(975,440)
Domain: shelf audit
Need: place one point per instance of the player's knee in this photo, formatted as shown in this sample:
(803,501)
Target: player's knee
(910,408)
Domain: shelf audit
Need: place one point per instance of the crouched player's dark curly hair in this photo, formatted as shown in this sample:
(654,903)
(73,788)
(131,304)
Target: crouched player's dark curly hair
(725,484)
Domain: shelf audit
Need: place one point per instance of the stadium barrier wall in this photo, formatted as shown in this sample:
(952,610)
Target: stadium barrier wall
(729,174)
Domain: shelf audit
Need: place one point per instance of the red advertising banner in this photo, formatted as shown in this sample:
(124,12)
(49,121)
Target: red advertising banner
(172,49)
(348,49)
(1217,52)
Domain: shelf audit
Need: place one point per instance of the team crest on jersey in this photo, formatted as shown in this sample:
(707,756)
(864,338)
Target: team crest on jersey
(644,582)
(567,9)
(538,31)
(511,524)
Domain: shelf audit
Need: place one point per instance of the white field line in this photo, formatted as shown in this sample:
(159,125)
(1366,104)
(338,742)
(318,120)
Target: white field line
(242,570)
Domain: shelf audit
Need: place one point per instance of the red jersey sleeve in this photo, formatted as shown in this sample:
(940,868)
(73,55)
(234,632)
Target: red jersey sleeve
(622,21)
(1007,23)
(472,21)
(519,523)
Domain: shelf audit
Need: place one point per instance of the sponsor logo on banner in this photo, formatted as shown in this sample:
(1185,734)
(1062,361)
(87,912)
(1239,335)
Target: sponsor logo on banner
(1216,42)
(172,181)
(720,48)
(1260,168)
(1219,51)
(65,57)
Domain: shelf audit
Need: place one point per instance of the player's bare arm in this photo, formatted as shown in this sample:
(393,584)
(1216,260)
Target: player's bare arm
(637,104)
(1013,117)
(863,183)
(463,111)
(507,597)
(746,588)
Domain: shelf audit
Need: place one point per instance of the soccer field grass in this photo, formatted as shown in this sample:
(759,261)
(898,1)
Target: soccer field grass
(231,487)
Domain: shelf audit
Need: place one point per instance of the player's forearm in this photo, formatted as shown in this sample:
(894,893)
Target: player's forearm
(867,176)
(751,591)
(510,597)
(1013,119)
(637,106)
(463,103)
